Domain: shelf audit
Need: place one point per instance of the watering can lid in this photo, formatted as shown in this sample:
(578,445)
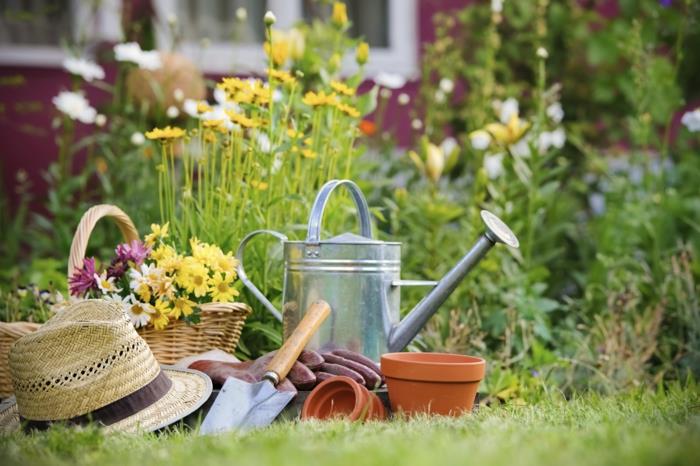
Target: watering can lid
(352,238)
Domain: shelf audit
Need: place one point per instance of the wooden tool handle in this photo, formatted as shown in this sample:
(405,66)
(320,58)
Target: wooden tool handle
(284,359)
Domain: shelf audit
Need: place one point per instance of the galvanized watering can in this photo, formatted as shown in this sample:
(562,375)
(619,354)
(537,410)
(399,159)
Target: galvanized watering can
(360,277)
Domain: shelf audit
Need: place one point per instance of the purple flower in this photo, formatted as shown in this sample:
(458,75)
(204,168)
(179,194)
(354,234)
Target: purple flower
(135,252)
(83,280)
(665,3)
(117,268)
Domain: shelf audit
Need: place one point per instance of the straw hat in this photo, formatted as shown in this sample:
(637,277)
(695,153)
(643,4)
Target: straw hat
(88,363)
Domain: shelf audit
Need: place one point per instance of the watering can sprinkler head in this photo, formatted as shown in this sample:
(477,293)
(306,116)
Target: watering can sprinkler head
(497,231)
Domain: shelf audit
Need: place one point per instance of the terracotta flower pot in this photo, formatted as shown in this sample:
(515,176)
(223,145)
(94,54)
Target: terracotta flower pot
(434,383)
(341,397)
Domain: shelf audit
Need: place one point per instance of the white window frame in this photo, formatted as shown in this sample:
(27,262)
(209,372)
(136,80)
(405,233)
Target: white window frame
(105,25)
(224,57)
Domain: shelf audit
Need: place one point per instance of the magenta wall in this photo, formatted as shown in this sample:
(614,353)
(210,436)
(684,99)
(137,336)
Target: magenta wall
(26,110)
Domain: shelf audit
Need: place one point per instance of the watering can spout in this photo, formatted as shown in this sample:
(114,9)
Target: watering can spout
(496,232)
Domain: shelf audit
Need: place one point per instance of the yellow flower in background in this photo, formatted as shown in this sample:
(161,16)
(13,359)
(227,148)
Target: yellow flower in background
(242,120)
(203,107)
(435,162)
(259,185)
(339,17)
(165,133)
(342,88)
(221,287)
(226,263)
(158,232)
(279,51)
(348,110)
(159,318)
(294,134)
(283,76)
(314,99)
(217,125)
(143,291)
(308,153)
(362,53)
(510,133)
(182,306)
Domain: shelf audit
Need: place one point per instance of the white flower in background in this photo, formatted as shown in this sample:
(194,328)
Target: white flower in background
(555,112)
(416,124)
(217,112)
(263,142)
(223,101)
(241,14)
(390,80)
(385,93)
(448,145)
(190,107)
(439,96)
(447,85)
(178,94)
(269,18)
(480,139)
(277,163)
(521,148)
(131,52)
(105,284)
(435,162)
(277,96)
(497,6)
(691,120)
(172,112)
(547,139)
(138,138)
(542,52)
(508,108)
(403,99)
(76,106)
(493,164)
(84,68)
(172,19)
(100,120)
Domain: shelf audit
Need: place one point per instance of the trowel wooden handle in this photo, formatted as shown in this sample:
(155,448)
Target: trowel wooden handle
(284,359)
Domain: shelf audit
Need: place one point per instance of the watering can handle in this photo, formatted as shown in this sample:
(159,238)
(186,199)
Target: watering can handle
(314,232)
(244,277)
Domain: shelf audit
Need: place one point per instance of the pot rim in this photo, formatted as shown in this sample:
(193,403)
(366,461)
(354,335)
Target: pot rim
(433,367)
(333,387)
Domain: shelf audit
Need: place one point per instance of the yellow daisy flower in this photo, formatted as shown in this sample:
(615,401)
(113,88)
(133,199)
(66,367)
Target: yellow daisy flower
(193,277)
(182,306)
(157,232)
(242,120)
(221,287)
(283,76)
(169,132)
(159,318)
(510,133)
(342,88)
(308,153)
(348,110)
(259,185)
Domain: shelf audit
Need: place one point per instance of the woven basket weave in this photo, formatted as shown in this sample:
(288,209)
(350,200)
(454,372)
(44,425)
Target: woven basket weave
(220,323)
(9,333)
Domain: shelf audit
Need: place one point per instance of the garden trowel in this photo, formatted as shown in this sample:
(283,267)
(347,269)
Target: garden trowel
(244,405)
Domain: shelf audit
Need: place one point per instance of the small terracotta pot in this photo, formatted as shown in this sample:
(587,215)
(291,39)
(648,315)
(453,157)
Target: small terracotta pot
(434,383)
(341,397)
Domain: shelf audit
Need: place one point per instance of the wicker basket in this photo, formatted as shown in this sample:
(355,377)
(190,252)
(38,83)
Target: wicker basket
(9,333)
(220,323)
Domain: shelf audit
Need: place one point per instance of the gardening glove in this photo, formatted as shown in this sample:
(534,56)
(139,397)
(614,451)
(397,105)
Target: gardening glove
(350,364)
(248,371)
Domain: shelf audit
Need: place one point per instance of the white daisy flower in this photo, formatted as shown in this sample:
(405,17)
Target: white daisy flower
(106,284)
(493,164)
(691,120)
(138,138)
(131,52)
(555,112)
(76,106)
(139,313)
(86,69)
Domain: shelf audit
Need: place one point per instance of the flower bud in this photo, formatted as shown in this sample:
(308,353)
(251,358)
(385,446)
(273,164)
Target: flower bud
(362,53)
(269,18)
(339,17)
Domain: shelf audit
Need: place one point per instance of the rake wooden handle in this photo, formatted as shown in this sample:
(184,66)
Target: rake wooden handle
(284,359)
(87,224)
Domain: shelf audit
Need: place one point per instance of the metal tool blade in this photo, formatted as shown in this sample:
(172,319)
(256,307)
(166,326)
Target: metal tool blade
(244,405)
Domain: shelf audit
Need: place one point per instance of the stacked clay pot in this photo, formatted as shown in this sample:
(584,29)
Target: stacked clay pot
(341,397)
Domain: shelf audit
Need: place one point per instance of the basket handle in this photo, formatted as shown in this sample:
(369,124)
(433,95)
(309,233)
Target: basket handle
(87,224)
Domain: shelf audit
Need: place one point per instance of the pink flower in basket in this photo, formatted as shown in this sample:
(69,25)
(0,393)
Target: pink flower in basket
(83,280)
(135,252)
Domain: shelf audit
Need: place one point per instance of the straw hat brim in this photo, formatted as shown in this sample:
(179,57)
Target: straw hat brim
(189,391)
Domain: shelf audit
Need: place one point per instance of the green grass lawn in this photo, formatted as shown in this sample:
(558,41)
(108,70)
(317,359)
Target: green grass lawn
(638,428)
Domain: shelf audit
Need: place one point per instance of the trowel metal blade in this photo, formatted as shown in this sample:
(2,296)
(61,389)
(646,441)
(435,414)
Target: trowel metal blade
(244,405)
